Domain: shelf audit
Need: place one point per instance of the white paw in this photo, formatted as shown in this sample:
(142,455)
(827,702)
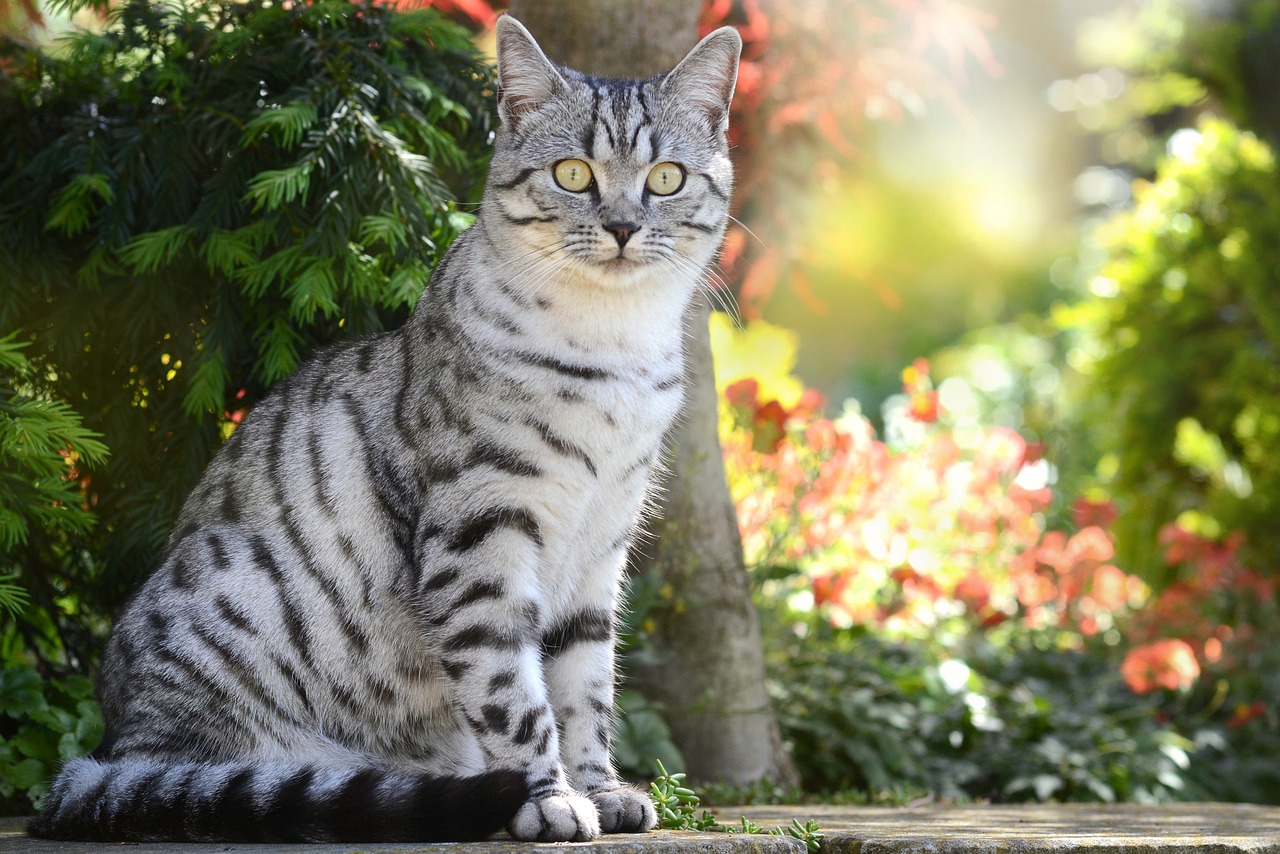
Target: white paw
(559,818)
(624,810)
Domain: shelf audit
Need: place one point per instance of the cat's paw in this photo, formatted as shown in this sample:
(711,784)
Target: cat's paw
(624,810)
(557,818)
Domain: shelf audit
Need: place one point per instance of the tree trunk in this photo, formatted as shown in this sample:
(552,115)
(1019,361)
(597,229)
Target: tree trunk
(711,682)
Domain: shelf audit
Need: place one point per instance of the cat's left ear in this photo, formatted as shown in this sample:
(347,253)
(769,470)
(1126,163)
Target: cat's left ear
(526,78)
(704,79)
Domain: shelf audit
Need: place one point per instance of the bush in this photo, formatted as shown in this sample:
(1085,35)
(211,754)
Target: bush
(1183,329)
(195,197)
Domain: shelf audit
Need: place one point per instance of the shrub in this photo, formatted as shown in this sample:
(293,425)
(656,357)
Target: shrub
(195,197)
(1183,331)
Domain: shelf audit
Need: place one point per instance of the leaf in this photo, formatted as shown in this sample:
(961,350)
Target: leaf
(274,188)
(73,206)
(148,252)
(286,124)
(206,387)
(228,251)
(387,229)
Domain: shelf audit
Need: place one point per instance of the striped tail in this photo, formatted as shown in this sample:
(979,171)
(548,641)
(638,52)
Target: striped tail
(144,800)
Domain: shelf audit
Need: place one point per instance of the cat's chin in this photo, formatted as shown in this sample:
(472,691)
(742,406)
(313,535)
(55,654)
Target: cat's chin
(626,274)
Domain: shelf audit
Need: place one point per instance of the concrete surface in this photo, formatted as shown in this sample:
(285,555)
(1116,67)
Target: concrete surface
(1032,829)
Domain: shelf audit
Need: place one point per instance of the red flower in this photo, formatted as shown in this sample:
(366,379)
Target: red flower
(743,394)
(1169,664)
(1243,714)
(769,427)
(1093,513)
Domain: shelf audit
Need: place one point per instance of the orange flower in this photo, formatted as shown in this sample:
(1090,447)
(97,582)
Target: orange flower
(1169,664)
(1110,587)
(924,407)
(1090,545)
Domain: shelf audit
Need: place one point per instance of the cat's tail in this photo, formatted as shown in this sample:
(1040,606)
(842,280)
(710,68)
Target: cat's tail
(145,800)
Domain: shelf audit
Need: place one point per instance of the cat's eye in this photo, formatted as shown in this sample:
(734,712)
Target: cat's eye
(572,175)
(665,179)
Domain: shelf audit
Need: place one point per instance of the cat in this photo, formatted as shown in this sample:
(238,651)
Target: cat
(387,610)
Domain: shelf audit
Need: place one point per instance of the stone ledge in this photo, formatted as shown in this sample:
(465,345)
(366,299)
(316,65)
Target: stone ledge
(1032,829)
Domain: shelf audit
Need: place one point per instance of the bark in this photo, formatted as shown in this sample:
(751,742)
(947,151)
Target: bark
(711,681)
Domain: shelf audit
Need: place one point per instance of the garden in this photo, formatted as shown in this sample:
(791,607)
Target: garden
(1004,472)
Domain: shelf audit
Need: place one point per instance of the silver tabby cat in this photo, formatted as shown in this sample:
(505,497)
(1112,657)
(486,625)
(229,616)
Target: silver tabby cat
(387,610)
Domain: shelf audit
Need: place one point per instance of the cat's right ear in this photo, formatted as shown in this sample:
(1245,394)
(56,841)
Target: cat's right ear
(526,78)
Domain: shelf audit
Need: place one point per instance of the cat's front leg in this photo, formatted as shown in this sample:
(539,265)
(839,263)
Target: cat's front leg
(479,599)
(578,660)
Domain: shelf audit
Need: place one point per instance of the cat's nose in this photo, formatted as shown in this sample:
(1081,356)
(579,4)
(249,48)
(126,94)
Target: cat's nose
(621,231)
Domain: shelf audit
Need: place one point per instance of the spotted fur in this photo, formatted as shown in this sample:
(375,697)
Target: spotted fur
(387,611)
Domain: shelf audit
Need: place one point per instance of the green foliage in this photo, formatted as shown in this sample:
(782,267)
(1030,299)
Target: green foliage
(42,724)
(41,441)
(677,807)
(192,200)
(1180,342)
(1020,722)
(641,736)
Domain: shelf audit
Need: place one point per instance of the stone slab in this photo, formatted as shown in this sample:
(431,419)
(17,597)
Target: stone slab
(1029,829)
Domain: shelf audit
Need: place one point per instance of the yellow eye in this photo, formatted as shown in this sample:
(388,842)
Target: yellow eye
(572,175)
(665,179)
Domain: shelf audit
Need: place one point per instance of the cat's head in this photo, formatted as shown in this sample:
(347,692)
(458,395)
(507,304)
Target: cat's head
(619,183)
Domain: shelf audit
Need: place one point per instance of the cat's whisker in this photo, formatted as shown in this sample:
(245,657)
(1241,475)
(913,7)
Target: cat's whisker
(748,230)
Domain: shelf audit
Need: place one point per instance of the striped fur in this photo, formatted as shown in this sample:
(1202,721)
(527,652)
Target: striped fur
(387,610)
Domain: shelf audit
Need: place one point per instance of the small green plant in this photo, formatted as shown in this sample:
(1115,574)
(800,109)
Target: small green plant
(677,807)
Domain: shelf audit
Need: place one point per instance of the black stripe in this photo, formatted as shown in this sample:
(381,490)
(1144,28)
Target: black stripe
(589,131)
(476,529)
(528,727)
(403,425)
(221,560)
(505,679)
(669,383)
(229,508)
(242,671)
(210,690)
(440,580)
(527,220)
(588,625)
(389,488)
(285,809)
(480,636)
(354,634)
(293,620)
(229,613)
(550,363)
(364,355)
(644,111)
(495,718)
(294,679)
(503,459)
(525,175)
(714,187)
(477,592)
(563,446)
(698,226)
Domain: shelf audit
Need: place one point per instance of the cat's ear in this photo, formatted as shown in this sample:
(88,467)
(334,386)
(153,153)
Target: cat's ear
(704,79)
(526,78)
